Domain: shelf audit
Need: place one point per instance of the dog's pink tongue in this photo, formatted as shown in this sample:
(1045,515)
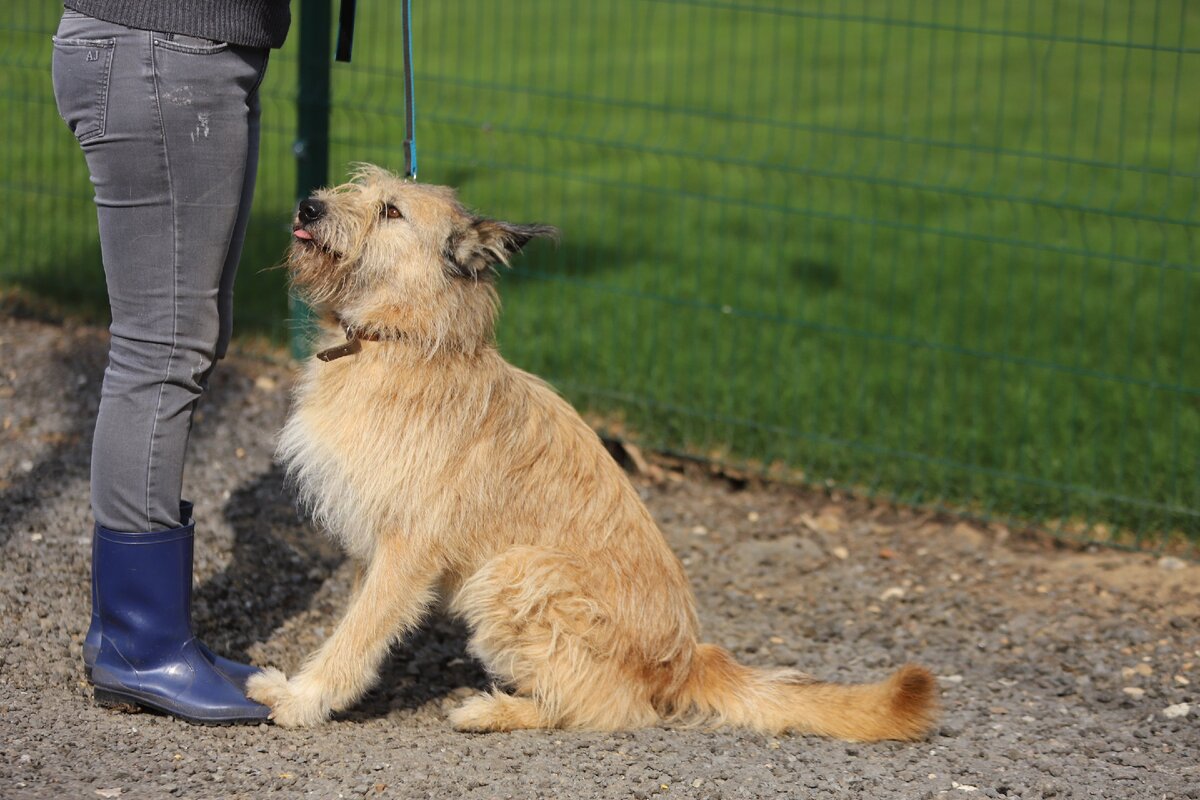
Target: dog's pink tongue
(300,233)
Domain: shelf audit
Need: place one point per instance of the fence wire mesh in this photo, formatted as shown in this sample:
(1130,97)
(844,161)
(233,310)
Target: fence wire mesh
(942,251)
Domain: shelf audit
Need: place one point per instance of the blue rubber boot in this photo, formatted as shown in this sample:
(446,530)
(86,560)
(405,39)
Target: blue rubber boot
(235,671)
(148,656)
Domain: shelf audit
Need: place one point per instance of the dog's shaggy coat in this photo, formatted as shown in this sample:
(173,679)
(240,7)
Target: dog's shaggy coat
(445,470)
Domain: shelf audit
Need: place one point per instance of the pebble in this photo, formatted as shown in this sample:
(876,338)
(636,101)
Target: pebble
(892,593)
(1135,692)
(1171,563)
(1143,669)
(841,553)
(1176,711)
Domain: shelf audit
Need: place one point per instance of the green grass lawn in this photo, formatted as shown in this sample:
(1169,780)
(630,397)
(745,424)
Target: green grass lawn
(943,253)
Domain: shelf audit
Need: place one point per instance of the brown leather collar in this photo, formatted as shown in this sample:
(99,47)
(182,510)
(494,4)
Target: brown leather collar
(354,339)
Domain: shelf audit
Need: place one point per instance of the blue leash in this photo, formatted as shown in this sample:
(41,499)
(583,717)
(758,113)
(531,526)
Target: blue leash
(346,41)
(410,111)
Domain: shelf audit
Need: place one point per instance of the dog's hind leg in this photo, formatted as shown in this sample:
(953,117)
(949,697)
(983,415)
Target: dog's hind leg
(394,593)
(496,711)
(537,628)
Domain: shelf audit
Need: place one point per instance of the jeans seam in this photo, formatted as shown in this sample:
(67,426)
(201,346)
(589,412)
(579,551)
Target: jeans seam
(174,268)
(104,89)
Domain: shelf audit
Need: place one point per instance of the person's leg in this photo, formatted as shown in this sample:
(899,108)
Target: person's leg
(167,124)
(170,173)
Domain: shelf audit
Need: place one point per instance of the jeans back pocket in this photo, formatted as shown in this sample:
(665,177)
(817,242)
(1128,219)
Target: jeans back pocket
(82,69)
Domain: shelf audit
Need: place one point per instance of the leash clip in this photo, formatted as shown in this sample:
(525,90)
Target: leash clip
(410,159)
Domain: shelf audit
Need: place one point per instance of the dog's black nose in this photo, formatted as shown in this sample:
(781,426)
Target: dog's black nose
(311,210)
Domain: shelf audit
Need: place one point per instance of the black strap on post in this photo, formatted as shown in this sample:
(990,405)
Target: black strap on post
(410,111)
(345,30)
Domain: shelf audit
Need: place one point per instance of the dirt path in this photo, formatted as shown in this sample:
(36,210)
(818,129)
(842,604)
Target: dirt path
(1063,674)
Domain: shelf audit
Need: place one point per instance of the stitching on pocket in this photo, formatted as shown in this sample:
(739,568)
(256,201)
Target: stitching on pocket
(220,47)
(76,42)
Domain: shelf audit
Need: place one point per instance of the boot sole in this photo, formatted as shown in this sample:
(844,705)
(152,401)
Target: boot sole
(129,703)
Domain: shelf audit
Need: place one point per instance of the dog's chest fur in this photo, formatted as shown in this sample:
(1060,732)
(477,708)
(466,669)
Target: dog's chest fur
(376,444)
(349,444)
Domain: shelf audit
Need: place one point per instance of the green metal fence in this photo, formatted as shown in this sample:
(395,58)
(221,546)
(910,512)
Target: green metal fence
(942,251)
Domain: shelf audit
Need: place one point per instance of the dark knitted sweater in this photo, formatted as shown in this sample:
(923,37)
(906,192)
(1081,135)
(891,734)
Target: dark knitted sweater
(255,23)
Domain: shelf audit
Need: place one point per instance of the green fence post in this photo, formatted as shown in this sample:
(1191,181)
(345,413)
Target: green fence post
(312,134)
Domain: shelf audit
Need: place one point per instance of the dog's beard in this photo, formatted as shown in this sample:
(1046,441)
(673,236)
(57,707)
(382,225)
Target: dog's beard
(319,274)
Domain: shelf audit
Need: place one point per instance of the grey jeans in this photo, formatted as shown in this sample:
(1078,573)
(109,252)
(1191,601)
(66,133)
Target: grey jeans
(169,126)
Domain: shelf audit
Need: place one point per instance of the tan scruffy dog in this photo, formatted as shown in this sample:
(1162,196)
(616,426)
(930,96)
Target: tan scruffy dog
(445,470)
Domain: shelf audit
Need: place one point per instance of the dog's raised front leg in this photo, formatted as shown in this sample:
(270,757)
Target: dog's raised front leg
(394,593)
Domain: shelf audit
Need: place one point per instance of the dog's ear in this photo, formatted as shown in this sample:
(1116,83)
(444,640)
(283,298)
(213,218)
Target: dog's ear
(475,248)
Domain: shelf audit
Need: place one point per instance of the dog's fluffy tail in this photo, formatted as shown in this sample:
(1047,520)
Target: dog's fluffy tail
(719,689)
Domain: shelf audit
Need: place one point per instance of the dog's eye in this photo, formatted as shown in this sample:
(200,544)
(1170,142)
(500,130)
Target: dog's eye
(391,212)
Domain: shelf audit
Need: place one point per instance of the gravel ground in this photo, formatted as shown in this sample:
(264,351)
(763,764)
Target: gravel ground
(1063,673)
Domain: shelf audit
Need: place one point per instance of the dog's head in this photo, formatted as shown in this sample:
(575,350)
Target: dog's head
(404,259)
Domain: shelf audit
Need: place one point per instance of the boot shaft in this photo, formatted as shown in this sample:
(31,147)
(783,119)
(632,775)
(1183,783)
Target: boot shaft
(143,590)
(91,642)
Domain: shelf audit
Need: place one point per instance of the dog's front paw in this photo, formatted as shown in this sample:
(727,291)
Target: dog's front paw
(292,705)
(267,686)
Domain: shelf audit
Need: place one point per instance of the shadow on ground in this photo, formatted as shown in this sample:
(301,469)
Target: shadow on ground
(49,416)
(428,665)
(278,564)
